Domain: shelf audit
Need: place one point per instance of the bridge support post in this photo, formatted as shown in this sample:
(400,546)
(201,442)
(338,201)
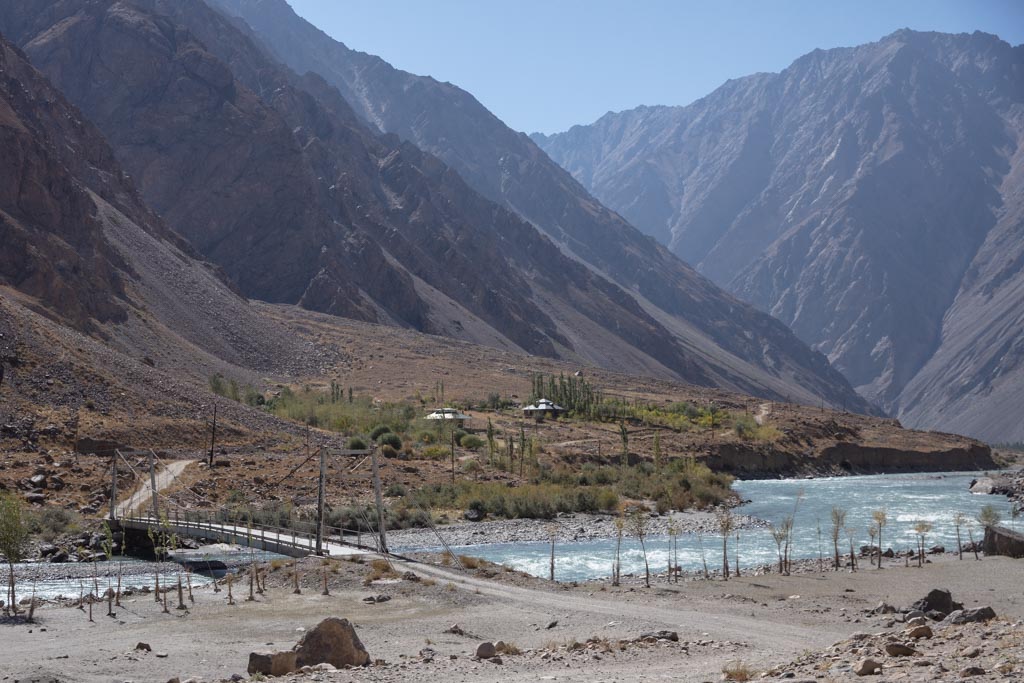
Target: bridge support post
(152,483)
(113,487)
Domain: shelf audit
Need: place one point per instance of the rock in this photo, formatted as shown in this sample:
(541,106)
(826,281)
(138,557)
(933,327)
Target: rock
(889,553)
(937,550)
(917,621)
(496,660)
(486,650)
(937,600)
(272,663)
(60,557)
(899,650)
(918,632)
(410,576)
(48,550)
(334,641)
(866,667)
(35,497)
(552,624)
(161,655)
(914,614)
(473,515)
(971,615)
(660,635)
(144,647)
(935,615)
(1002,541)
(984,485)
(972,671)
(971,653)
(884,608)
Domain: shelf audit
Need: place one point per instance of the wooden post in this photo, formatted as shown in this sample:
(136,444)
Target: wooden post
(320,505)
(380,501)
(213,433)
(152,483)
(113,488)
(453,455)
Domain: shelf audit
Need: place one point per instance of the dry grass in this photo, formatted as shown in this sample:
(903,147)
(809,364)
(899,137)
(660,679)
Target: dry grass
(508,648)
(738,671)
(379,569)
(470,562)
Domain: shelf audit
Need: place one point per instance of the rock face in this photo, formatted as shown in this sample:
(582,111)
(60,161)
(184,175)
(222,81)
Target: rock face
(1002,541)
(333,641)
(869,197)
(725,343)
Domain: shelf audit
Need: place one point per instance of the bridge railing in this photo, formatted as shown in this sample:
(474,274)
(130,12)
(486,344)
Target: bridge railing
(300,535)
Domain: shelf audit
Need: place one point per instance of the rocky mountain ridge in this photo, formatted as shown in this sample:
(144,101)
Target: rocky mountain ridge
(753,352)
(869,197)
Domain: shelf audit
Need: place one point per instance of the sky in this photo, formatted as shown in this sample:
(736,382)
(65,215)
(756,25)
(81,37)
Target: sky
(546,65)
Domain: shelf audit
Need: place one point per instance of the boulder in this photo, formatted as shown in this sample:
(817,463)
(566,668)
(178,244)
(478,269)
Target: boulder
(486,650)
(47,549)
(984,485)
(972,671)
(272,663)
(35,497)
(38,481)
(334,641)
(966,616)
(473,515)
(1002,541)
(866,667)
(899,650)
(884,608)
(937,600)
(143,647)
(918,632)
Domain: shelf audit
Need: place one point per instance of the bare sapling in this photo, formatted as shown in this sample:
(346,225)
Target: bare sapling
(872,533)
(638,523)
(881,519)
(620,524)
(736,551)
(552,535)
(838,522)
(230,580)
(297,590)
(703,556)
(958,521)
(726,522)
(853,557)
(188,578)
(779,536)
(921,528)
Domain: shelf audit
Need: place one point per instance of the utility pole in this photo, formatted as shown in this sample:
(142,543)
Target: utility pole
(320,504)
(113,487)
(152,483)
(213,433)
(380,500)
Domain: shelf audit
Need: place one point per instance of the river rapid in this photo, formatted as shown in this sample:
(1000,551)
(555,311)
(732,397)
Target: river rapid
(905,498)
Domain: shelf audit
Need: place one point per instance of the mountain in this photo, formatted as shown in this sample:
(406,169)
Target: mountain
(869,197)
(274,178)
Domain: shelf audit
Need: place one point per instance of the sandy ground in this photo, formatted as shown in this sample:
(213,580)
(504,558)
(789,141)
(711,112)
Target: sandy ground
(764,621)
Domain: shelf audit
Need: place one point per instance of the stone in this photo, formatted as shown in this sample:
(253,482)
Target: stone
(972,652)
(473,515)
(272,663)
(974,615)
(660,635)
(884,608)
(917,621)
(984,485)
(937,600)
(38,481)
(334,641)
(47,549)
(914,614)
(972,671)
(486,650)
(35,497)
(918,632)
(866,667)
(143,647)
(899,650)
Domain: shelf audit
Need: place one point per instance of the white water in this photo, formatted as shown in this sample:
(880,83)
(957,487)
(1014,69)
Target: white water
(906,498)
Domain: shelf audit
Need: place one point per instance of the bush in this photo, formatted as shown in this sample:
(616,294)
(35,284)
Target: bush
(51,523)
(395,490)
(388,452)
(471,441)
(391,439)
(356,444)
(459,435)
(377,431)
(436,453)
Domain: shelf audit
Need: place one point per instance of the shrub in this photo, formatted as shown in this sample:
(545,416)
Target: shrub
(395,490)
(388,452)
(391,439)
(50,523)
(435,453)
(471,441)
(377,431)
(459,434)
(356,444)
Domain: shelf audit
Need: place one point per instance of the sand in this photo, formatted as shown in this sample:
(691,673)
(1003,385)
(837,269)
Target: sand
(765,621)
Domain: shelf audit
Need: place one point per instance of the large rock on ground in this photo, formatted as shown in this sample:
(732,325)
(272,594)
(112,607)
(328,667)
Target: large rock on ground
(1002,541)
(971,615)
(937,600)
(333,641)
(272,663)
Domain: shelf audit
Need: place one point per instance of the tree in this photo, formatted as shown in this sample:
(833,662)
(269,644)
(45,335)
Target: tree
(779,536)
(872,533)
(657,453)
(881,519)
(673,551)
(959,519)
(853,558)
(620,525)
(13,540)
(921,528)
(490,442)
(838,522)
(726,524)
(638,524)
(624,435)
(988,517)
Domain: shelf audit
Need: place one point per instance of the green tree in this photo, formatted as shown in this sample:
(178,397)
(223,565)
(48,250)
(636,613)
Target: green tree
(638,524)
(14,532)
(988,516)
(726,524)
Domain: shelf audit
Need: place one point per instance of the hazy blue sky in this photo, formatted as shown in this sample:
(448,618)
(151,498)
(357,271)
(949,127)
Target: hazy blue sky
(544,65)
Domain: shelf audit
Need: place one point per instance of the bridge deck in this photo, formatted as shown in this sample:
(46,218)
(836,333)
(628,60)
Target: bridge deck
(282,541)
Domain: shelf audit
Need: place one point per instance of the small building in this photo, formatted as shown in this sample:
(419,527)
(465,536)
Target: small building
(543,408)
(460,418)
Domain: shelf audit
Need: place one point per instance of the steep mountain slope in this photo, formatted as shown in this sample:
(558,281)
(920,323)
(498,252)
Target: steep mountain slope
(869,197)
(754,351)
